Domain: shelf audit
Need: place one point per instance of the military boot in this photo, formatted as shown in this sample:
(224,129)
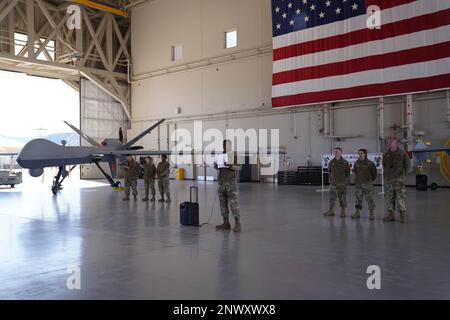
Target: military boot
(343,213)
(357,214)
(161,200)
(403,216)
(371,215)
(389,217)
(152,199)
(225,225)
(168,200)
(329,213)
(145,199)
(237,226)
(126,198)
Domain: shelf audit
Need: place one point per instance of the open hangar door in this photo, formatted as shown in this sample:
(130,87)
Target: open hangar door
(101,117)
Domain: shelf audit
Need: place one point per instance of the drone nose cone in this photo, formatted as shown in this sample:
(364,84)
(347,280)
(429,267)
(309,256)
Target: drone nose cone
(19,160)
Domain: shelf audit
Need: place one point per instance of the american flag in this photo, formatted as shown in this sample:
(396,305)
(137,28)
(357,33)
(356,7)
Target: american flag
(323,50)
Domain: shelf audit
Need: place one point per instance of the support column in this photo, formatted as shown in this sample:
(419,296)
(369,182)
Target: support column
(448,108)
(109,41)
(380,117)
(11,36)
(30,29)
(409,122)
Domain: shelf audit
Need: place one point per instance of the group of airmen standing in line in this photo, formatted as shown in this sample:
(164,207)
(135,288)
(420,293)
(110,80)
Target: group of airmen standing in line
(227,181)
(395,165)
(132,169)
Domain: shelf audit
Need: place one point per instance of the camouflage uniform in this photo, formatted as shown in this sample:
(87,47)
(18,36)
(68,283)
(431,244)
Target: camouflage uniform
(149,179)
(339,174)
(163,179)
(132,170)
(365,175)
(228,190)
(396,165)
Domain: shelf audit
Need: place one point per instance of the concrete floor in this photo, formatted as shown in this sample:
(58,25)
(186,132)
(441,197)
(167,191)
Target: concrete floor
(287,249)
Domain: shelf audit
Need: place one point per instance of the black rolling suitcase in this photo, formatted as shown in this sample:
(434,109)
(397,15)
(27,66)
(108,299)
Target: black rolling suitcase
(189,210)
(422,182)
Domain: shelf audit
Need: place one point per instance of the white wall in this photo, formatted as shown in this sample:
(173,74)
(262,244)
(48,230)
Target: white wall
(244,83)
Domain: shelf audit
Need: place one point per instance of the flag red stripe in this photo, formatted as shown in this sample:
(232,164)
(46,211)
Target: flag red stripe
(386,4)
(392,59)
(373,90)
(407,26)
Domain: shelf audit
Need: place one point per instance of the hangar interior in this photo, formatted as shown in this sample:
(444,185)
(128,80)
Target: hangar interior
(136,62)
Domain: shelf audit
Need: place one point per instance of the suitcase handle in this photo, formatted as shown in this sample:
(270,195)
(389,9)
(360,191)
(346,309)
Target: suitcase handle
(196,194)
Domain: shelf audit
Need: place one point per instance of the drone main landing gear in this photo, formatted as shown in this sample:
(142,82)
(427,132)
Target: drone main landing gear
(59,178)
(108,177)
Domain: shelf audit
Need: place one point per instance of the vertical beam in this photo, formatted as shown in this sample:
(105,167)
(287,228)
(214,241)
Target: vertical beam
(109,41)
(168,137)
(159,138)
(30,28)
(326,120)
(332,131)
(380,117)
(448,107)
(11,37)
(79,39)
(409,121)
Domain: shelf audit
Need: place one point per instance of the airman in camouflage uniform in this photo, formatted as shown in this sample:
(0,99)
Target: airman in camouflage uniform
(162,172)
(339,174)
(228,190)
(149,178)
(396,165)
(132,169)
(365,174)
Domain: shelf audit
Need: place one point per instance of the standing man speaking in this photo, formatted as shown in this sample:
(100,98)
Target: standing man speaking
(228,190)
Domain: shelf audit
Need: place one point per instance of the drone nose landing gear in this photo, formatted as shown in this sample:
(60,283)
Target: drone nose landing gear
(59,178)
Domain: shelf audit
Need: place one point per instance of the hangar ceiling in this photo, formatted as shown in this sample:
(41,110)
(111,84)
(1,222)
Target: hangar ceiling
(35,38)
(120,4)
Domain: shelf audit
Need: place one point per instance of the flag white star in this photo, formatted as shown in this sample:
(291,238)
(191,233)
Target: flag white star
(298,11)
(277,9)
(289,5)
(322,15)
(355,6)
(338,10)
(284,15)
(313,7)
(291,22)
(278,26)
(305,1)
(328,3)
(306,19)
